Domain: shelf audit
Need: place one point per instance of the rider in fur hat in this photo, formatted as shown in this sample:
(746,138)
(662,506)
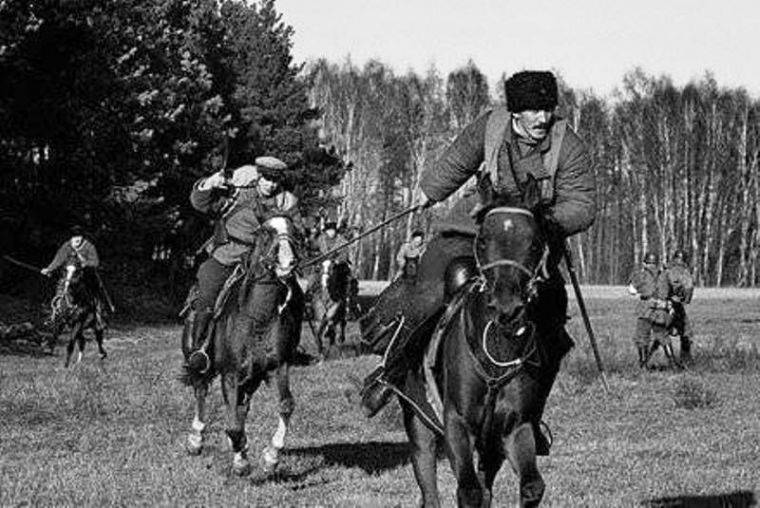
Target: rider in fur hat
(524,141)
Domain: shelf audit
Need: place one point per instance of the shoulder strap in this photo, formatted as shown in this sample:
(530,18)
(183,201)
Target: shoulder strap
(496,127)
(551,161)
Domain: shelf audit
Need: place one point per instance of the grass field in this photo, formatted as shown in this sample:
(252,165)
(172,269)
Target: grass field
(112,432)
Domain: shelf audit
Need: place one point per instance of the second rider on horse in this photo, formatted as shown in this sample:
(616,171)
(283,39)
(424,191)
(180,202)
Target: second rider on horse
(239,205)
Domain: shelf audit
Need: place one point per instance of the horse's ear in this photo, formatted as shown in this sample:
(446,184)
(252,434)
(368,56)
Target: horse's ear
(531,193)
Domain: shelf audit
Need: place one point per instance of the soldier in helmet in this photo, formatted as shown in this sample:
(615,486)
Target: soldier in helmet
(651,289)
(681,291)
(239,207)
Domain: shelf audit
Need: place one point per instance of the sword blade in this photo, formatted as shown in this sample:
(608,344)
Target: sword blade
(22,264)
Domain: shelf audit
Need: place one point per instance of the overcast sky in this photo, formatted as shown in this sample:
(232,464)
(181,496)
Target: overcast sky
(591,42)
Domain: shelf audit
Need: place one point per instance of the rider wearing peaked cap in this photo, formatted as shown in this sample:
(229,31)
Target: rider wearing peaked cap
(257,195)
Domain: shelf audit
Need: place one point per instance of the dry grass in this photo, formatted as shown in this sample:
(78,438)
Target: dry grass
(112,433)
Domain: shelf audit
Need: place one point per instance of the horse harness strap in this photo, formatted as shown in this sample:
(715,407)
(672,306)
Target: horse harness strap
(507,262)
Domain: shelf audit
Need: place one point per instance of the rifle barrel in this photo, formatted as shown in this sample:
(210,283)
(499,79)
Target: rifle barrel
(355,239)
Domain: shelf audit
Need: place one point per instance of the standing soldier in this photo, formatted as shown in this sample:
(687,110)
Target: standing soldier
(84,251)
(651,309)
(522,143)
(239,206)
(408,257)
(681,291)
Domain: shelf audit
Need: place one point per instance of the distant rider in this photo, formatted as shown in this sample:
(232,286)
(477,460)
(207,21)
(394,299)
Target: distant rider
(83,251)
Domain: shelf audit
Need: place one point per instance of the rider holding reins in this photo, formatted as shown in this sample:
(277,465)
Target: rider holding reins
(83,251)
(513,145)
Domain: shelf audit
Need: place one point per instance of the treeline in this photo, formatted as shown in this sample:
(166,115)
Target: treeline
(676,167)
(109,110)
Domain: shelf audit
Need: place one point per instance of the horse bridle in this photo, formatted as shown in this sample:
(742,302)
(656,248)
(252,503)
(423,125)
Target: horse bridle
(538,271)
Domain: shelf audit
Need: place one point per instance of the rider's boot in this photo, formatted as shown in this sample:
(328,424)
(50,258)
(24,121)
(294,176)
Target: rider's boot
(685,354)
(562,346)
(405,354)
(194,340)
(400,356)
(376,392)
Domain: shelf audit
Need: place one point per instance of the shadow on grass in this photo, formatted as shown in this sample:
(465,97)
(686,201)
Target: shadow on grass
(373,457)
(739,499)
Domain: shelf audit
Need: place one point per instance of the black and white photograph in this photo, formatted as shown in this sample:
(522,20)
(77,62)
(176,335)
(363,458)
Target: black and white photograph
(334,253)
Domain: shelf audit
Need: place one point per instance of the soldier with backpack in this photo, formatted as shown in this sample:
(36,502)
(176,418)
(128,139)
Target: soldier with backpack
(681,291)
(521,148)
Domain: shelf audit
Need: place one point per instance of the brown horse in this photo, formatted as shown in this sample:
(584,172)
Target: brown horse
(256,334)
(495,353)
(74,307)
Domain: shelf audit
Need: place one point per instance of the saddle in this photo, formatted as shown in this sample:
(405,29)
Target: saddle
(230,286)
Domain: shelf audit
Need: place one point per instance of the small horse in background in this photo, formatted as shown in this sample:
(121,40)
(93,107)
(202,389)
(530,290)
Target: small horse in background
(256,333)
(334,302)
(494,351)
(74,306)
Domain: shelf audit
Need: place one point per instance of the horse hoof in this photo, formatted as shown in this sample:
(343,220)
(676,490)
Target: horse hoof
(270,458)
(194,444)
(241,467)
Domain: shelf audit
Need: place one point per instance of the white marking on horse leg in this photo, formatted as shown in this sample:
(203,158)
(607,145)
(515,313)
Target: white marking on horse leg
(198,425)
(195,436)
(271,457)
(278,439)
(79,357)
(194,443)
(240,464)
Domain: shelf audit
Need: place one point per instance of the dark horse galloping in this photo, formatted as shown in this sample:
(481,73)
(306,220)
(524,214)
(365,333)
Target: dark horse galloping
(74,306)
(495,351)
(256,333)
(336,300)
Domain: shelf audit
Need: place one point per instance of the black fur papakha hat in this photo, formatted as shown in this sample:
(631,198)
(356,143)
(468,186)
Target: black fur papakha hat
(535,90)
